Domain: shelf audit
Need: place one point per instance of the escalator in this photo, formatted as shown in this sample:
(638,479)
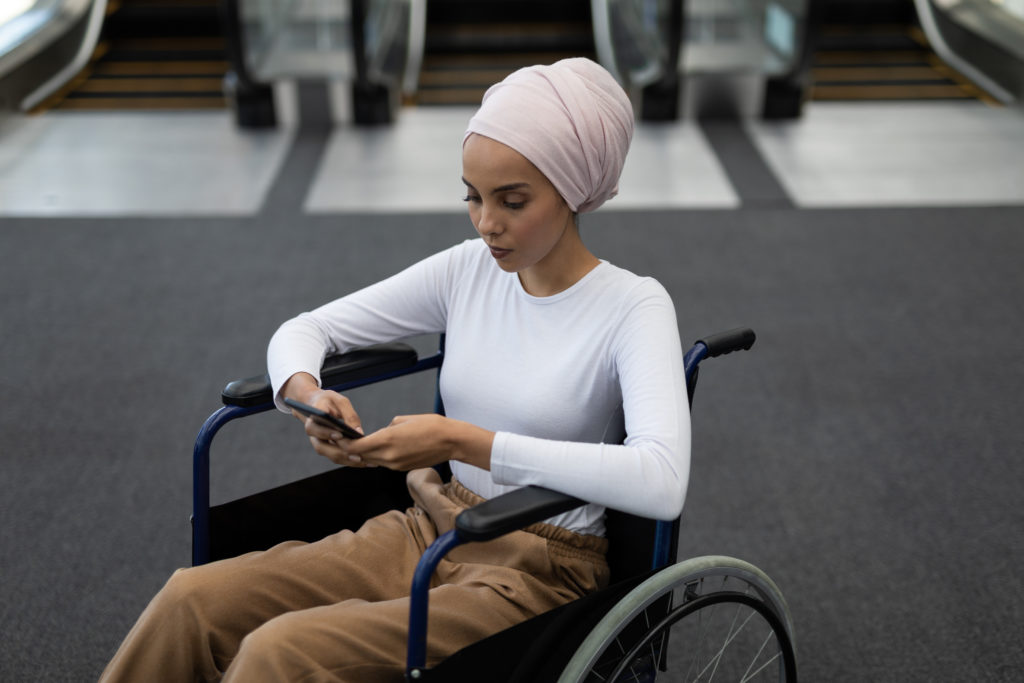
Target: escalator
(875,50)
(981,39)
(152,54)
(112,54)
(692,59)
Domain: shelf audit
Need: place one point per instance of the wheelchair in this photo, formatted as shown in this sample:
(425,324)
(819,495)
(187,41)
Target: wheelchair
(700,619)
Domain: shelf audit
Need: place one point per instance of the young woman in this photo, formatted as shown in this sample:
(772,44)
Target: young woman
(560,370)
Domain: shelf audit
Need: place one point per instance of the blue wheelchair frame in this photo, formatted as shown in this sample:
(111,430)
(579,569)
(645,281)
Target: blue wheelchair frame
(502,515)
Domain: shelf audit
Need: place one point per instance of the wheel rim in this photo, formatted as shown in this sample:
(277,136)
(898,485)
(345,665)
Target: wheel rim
(719,626)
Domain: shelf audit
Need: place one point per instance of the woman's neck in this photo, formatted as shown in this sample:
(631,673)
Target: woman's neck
(566,265)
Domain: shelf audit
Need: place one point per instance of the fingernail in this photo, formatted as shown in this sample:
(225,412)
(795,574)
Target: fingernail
(355,458)
(335,436)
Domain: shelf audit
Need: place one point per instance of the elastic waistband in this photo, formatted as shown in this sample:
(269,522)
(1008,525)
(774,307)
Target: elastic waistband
(559,539)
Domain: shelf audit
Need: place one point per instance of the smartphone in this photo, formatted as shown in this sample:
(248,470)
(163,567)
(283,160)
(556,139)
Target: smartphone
(324,418)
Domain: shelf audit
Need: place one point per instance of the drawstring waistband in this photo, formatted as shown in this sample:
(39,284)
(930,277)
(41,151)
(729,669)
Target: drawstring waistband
(559,539)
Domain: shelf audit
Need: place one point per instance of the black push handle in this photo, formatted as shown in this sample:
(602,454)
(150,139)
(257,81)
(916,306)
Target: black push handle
(740,339)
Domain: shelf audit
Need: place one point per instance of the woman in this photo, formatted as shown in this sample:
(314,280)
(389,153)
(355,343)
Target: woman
(552,357)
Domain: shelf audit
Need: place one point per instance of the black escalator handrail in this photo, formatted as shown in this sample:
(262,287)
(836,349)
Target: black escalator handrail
(358,10)
(798,76)
(234,43)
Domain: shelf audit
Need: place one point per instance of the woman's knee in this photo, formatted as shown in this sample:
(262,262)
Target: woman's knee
(275,651)
(189,585)
(328,645)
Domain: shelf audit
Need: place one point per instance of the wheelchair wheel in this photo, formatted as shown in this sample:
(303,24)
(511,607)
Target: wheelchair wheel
(704,619)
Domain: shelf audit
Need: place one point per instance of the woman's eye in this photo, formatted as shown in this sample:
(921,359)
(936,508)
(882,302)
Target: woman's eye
(514,205)
(471,198)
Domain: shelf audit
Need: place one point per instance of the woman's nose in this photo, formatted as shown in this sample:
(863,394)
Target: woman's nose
(489,223)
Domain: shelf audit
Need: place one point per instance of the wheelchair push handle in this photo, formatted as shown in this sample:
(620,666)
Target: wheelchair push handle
(740,339)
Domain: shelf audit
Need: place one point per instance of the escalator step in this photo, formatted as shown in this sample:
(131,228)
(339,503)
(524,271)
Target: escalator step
(153,54)
(883,63)
(507,37)
(168,102)
(462,79)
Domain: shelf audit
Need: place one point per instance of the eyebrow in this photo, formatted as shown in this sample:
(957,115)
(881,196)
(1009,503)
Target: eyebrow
(502,188)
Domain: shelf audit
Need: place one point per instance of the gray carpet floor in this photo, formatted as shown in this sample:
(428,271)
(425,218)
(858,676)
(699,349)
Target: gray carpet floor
(865,453)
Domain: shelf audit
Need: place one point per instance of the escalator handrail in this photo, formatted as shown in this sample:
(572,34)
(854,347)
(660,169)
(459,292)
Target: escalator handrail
(947,54)
(416,47)
(600,13)
(234,44)
(26,35)
(800,69)
(90,38)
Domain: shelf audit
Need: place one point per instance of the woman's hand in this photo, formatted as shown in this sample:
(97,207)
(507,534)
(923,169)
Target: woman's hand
(326,441)
(414,441)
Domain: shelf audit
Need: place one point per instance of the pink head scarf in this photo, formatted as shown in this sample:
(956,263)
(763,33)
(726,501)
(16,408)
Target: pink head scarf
(571,120)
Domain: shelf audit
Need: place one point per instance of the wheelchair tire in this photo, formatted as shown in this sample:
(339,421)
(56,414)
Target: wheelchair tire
(721,619)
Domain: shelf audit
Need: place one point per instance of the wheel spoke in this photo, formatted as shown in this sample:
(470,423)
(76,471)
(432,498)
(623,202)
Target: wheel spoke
(729,639)
(701,633)
(760,668)
(717,657)
(746,674)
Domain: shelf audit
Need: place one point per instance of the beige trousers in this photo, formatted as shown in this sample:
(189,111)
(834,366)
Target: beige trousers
(338,609)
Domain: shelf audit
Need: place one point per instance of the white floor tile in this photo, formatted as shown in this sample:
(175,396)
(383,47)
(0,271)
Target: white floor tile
(671,166)
(416,165)
(898,154)
(138,163)
(413,165)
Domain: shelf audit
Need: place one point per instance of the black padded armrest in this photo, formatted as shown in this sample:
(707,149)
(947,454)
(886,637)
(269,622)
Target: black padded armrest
(512,511)
(347,367)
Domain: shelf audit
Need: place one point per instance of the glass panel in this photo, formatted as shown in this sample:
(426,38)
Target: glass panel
(751,36)
(313,38)
(387,40)
(632,38)
(297,38)
(12,8)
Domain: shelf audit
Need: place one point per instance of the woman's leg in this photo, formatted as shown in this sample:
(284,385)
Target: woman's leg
(481,589)
(192,629)
(338,609)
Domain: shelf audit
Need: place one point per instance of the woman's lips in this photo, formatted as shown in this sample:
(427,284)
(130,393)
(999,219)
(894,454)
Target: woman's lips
(498,252)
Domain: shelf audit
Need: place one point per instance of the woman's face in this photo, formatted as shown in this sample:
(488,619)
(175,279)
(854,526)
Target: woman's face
(513,206)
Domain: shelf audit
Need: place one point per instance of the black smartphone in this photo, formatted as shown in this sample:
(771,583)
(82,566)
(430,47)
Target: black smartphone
(324,418)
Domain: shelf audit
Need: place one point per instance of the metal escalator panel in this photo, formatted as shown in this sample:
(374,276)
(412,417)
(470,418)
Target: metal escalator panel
(754,36)
(745,57)
(43,45)
(631,41)
(395,40)
(296,39)
(982,39)
(316,39)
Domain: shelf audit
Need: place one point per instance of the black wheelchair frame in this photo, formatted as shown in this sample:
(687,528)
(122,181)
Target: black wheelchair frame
(619,633)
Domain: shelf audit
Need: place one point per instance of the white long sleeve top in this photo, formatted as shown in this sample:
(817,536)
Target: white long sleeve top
(584,389)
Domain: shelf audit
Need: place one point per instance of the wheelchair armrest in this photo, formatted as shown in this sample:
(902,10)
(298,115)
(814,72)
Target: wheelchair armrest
(347,367)
(512,511)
